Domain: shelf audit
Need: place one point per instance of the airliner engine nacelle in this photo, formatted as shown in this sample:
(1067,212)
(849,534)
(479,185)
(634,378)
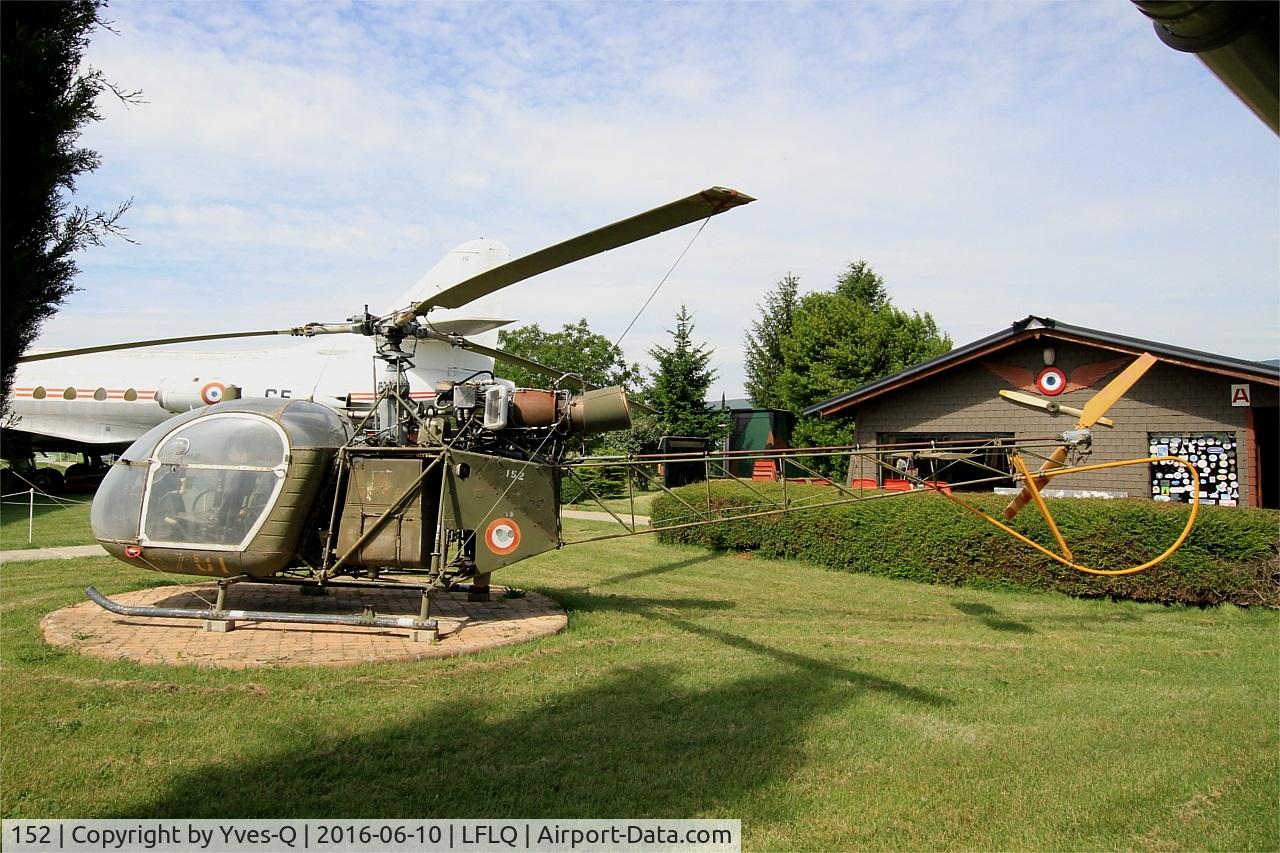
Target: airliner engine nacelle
(183,395)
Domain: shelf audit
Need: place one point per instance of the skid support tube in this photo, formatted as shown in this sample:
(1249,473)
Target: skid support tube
(359,621)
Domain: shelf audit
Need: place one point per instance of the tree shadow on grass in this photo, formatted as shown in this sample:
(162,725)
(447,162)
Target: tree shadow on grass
(990,617)
(580,601)
(655,570)
(639,741)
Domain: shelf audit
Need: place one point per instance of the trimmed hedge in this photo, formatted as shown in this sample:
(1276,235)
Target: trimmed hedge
(1231,555)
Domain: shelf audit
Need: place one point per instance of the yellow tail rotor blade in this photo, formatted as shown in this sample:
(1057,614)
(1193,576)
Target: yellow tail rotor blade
(1101,402)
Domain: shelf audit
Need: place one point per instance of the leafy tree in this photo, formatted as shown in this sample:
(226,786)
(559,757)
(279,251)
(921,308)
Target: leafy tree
(646,429)
(845,338)
(573,349)
(764,343)
(48,98)
(681,383)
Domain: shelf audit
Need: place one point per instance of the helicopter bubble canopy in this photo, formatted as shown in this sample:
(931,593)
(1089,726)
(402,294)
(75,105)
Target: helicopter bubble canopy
(226,479)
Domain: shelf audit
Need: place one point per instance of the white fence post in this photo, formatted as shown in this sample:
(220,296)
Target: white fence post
(31,512)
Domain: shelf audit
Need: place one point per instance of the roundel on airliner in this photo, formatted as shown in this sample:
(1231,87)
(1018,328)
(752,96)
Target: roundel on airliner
(212,392)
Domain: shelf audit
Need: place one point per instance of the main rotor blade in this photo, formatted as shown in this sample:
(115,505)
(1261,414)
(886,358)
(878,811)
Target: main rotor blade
(468,325)
(1101,402)
(698,206)
(1048,405)
(185,339)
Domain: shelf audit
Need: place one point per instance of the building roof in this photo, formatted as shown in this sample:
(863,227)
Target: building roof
(1038,328)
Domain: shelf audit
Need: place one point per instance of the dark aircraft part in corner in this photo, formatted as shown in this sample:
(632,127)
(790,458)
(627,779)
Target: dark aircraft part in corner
(1238,41)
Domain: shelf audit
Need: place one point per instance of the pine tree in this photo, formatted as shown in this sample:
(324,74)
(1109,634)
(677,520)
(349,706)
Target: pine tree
(764,343)
(844,338)
(681,383)
(863,285)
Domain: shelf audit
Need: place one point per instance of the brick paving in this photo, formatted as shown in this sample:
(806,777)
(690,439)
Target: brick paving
(465,627)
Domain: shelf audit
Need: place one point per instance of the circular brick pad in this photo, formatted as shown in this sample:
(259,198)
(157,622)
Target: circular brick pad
(465,626)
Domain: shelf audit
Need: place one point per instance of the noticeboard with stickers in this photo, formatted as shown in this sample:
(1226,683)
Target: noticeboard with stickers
(1214,454)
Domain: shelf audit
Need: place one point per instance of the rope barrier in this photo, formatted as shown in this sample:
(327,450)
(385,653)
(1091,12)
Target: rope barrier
(31,506)
(56,501)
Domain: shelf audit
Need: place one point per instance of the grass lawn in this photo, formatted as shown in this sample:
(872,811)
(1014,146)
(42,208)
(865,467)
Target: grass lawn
(622,505)
(51,523)
(827,711)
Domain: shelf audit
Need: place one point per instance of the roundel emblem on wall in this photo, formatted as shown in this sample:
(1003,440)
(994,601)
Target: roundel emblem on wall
(212,392)
(1051,381)
(502,536)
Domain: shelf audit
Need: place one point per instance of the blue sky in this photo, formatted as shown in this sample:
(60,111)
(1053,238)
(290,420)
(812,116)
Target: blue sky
(990,160)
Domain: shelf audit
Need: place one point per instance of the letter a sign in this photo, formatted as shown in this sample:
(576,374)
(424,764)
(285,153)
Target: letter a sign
(1240,395)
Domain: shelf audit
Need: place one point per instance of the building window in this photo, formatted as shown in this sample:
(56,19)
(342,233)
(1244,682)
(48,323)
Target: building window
(968,461)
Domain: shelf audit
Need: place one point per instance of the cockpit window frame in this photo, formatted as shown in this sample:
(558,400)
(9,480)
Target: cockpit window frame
(155,466)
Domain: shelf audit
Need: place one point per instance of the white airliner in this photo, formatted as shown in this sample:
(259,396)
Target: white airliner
(101,401)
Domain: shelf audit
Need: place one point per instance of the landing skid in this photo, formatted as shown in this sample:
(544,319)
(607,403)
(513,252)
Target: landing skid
(219,619)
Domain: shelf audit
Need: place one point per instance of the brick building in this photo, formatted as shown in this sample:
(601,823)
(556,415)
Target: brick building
(1220,412)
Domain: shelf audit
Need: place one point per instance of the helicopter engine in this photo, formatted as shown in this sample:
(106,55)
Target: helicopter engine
(494,410)
(484,460)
